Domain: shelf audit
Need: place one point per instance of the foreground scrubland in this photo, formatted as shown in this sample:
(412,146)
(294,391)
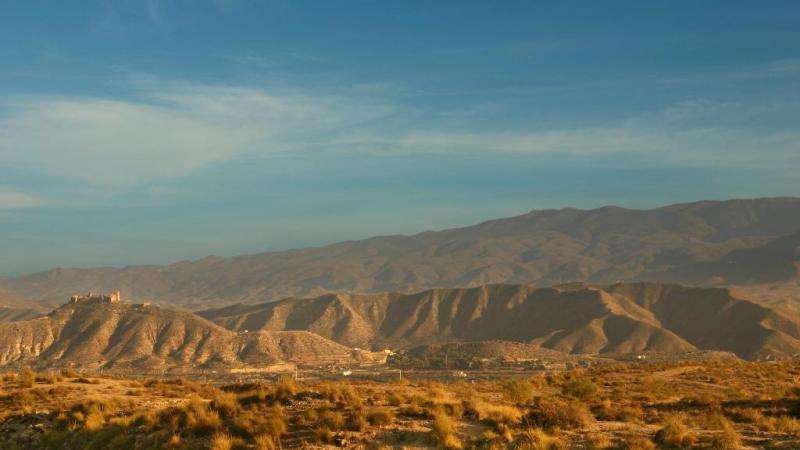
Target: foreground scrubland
(715,406)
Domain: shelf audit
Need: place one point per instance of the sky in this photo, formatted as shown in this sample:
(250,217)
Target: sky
(154,131)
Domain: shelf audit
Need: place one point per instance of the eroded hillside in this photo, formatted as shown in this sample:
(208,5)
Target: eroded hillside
(122,336)
(578,319)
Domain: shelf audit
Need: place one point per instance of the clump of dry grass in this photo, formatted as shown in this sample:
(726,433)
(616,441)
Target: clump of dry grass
(264,442)
(285,389)
(342,394)
(609,411)
(49,378)
(598,441)
(91,414)
(637,443)
(492,413)
(780,424)
(551,413)
(727,439)
(324,434)
(443,429)
(380,417)
(226,404)
(27,378)
(332,419)
(68,373)
(395,398)
(221,441)
(674,434)
(519,391)
(358,421)
(9,376)
(579,387)
(538,439)
(195,415)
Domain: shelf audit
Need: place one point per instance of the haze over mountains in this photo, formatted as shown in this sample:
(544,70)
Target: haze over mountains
(553,282)
(749,243)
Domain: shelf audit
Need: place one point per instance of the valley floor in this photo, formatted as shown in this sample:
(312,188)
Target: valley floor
(716,405)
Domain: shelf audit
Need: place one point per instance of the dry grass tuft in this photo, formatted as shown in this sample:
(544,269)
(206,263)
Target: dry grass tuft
(538,439)
(443,429)
(552,413)
(27,378)
(519,391)
(221,441)
(579,387)
(728,439)
(285,389)
(674,434)
(380,417)
(637,443)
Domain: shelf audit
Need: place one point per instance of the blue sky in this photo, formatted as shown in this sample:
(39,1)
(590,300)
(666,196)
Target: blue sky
(153,131)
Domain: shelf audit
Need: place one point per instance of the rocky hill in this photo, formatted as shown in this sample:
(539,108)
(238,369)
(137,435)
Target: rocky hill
(576,319)
(122,336)
(704,243)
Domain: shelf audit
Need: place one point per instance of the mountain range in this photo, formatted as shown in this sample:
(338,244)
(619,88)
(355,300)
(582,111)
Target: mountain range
(124,336)
(752,244)
(622,318)
(575,320)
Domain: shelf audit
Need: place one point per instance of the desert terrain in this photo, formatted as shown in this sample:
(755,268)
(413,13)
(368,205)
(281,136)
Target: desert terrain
(633,406)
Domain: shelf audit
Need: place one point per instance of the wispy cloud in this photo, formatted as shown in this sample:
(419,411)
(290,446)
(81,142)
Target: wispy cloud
(10,199)
(694,133)
(169,130)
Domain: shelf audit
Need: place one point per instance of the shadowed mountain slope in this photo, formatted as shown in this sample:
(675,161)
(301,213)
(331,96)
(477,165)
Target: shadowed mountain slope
(622,318)
(710,242)
(16,314)
(773,262)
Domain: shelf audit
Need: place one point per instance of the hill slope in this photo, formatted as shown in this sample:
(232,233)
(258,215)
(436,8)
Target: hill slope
(578,319)
(548,247)
(121,336)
